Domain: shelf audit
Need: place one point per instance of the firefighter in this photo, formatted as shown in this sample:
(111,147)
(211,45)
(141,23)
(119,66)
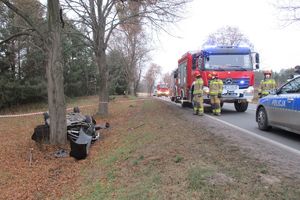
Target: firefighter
(266,85)
(215,93)
(198,94)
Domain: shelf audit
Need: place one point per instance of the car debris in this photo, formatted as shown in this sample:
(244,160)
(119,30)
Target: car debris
(82,131)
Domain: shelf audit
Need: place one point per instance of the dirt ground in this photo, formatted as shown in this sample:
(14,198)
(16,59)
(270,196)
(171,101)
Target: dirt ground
(153,150)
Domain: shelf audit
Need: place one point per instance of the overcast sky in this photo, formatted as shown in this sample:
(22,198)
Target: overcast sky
(279,46)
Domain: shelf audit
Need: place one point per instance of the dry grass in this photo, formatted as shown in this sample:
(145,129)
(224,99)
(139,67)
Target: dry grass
(46,177)
(171,158)
(151,152)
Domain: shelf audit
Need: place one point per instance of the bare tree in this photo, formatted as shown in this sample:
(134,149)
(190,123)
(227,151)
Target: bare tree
(133,43)
(289,11)
(143,58)
(51,41)
(229,36)
(135,49)
(151,76)
(102,17)
(167,78)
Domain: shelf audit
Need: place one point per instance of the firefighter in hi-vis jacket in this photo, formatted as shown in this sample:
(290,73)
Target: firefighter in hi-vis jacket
(215,93)
(198,94)
(266,85)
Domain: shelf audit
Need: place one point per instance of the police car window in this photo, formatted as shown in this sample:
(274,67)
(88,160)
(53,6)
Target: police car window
(286,89)
(291,87)
(297,85)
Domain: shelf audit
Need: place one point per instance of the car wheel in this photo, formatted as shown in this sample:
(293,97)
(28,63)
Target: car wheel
(262,119)
(241,107)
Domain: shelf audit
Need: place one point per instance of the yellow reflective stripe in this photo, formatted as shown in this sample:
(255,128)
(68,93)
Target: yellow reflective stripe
(218,110)
(215,87)
(199,81)
(217,82)
(197,91)
(198,87)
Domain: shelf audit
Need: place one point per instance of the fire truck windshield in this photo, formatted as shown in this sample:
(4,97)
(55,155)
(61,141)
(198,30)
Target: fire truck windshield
(224,62)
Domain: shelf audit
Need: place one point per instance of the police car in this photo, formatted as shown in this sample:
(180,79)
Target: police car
(281,108)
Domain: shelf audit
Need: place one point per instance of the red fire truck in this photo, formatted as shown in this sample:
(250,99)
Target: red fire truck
(234,66)
(162,90)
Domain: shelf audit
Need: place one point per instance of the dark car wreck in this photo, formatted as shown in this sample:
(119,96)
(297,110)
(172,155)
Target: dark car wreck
(82,131)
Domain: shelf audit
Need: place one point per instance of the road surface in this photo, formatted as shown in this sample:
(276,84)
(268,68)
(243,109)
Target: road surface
(246,121)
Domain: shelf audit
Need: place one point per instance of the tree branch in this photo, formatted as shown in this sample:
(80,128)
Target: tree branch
(14,36)
(24,16)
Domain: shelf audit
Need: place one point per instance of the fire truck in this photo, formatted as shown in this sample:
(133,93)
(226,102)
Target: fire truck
(234,66)
(162,90)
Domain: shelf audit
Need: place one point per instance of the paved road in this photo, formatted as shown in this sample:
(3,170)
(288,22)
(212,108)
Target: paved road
(246,121)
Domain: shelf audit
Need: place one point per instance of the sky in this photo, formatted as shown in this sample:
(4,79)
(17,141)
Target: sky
(278,45)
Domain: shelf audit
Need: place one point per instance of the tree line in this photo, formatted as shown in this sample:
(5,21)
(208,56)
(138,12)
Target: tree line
(100,47)
(77,47)
(22,59)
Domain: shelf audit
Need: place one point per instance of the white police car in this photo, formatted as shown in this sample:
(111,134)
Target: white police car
(281,109)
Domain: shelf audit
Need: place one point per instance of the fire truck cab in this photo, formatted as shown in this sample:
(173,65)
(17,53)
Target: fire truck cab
(162,90)
(234,65)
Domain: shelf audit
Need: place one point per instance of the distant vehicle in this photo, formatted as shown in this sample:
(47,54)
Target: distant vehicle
(155,92)
(162,90)
(234,66)
(281,109)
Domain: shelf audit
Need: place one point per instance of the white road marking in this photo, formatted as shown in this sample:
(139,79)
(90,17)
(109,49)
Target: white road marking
(280,145)
(257,136)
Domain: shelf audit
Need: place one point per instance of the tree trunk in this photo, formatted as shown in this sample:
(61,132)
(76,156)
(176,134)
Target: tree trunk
(56,98)
(137,82)
(103,90)
(131,87)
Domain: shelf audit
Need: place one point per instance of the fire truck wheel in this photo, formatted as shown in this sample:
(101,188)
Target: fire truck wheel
(241,106)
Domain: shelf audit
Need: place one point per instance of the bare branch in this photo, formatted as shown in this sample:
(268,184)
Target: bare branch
(108,7)
(16,35)
(82,17)
(81,35)
(24,16)
(289,12)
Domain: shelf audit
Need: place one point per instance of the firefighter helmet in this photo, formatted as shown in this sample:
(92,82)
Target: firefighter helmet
(197,73)
(267,71)
(214,75)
